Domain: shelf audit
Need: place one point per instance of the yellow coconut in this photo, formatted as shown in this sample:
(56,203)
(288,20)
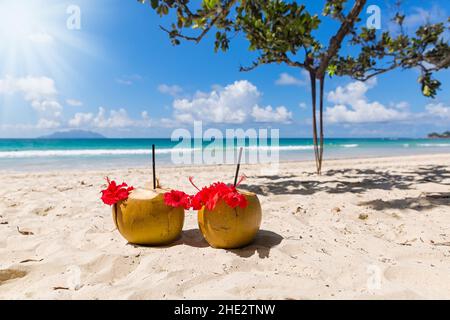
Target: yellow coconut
(145,219)
(228,228)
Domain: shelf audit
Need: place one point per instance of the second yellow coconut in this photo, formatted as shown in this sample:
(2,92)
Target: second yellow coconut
(229,228)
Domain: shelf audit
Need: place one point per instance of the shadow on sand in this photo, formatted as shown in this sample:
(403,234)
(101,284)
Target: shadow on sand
(423,202)
(265,240)
(364,181)
(368,180)
(193,238)
(262,244)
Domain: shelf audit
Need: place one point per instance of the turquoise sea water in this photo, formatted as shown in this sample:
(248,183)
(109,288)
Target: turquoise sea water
(40,154)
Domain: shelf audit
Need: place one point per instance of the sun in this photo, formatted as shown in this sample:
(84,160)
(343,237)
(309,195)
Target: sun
(17,20)
(22,24)
(24,29)
(35,40)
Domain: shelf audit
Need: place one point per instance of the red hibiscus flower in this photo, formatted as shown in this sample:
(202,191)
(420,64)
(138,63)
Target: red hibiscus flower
(209,196)
(235,199)
(115,193)
(213,198)
(199,200)
(177,199)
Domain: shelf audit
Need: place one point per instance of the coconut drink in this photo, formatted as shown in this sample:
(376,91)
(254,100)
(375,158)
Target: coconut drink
(228,218)
(226,227)
(147,216)
(144,218)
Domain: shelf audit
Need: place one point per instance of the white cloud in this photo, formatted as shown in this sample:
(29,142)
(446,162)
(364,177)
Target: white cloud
(417,16)
(267,114)
(33,88)
(230,104)
(116,119)
(144,115)
(81,119)
(402,105)
(41,38)
(113,119)
(422,16)
(173,90)
(352,106)
(74,103)
(128,80)
(438,110)
(302,105)
(168,123)
(124,82)
(40,92)
(47,106)
(235,103)
(47,124)
(286,79)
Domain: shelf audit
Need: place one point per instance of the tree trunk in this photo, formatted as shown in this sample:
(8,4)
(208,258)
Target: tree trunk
(314,119)
(317,140)
(322,84)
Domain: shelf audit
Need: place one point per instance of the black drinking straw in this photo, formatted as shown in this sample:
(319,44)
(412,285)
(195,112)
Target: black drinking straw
(154,167)
(238,167)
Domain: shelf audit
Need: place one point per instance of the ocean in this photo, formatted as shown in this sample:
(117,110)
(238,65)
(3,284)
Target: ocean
(44,155)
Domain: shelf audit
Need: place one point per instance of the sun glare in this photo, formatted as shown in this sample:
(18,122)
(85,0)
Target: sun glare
(21,23)
(34,39)
(18,20)
(15,17)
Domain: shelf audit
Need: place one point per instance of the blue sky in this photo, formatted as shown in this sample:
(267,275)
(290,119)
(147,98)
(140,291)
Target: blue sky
(119,75)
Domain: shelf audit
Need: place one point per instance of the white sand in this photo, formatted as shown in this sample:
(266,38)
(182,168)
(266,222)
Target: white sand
(313,242)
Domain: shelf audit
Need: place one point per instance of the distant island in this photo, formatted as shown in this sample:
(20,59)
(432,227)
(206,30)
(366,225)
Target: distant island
(74,134)
(434,135)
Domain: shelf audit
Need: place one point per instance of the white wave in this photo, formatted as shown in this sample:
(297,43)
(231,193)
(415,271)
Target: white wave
(125,152)
(280,148)
(433,144)
(86,152)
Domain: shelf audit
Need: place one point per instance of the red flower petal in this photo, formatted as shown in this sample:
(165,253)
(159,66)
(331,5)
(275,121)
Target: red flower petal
(177,199)
(115,193)
(209,197)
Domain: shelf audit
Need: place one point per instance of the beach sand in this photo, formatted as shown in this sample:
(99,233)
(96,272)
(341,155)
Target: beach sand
(367,228)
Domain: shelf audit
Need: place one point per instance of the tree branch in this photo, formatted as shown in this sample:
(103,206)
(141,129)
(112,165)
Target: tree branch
(278,59)
(377,72)
(442,64)
(223,13)
(336,41)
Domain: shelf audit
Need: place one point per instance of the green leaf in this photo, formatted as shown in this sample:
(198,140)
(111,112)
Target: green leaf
(331,70)
(209,4)
(426,91)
